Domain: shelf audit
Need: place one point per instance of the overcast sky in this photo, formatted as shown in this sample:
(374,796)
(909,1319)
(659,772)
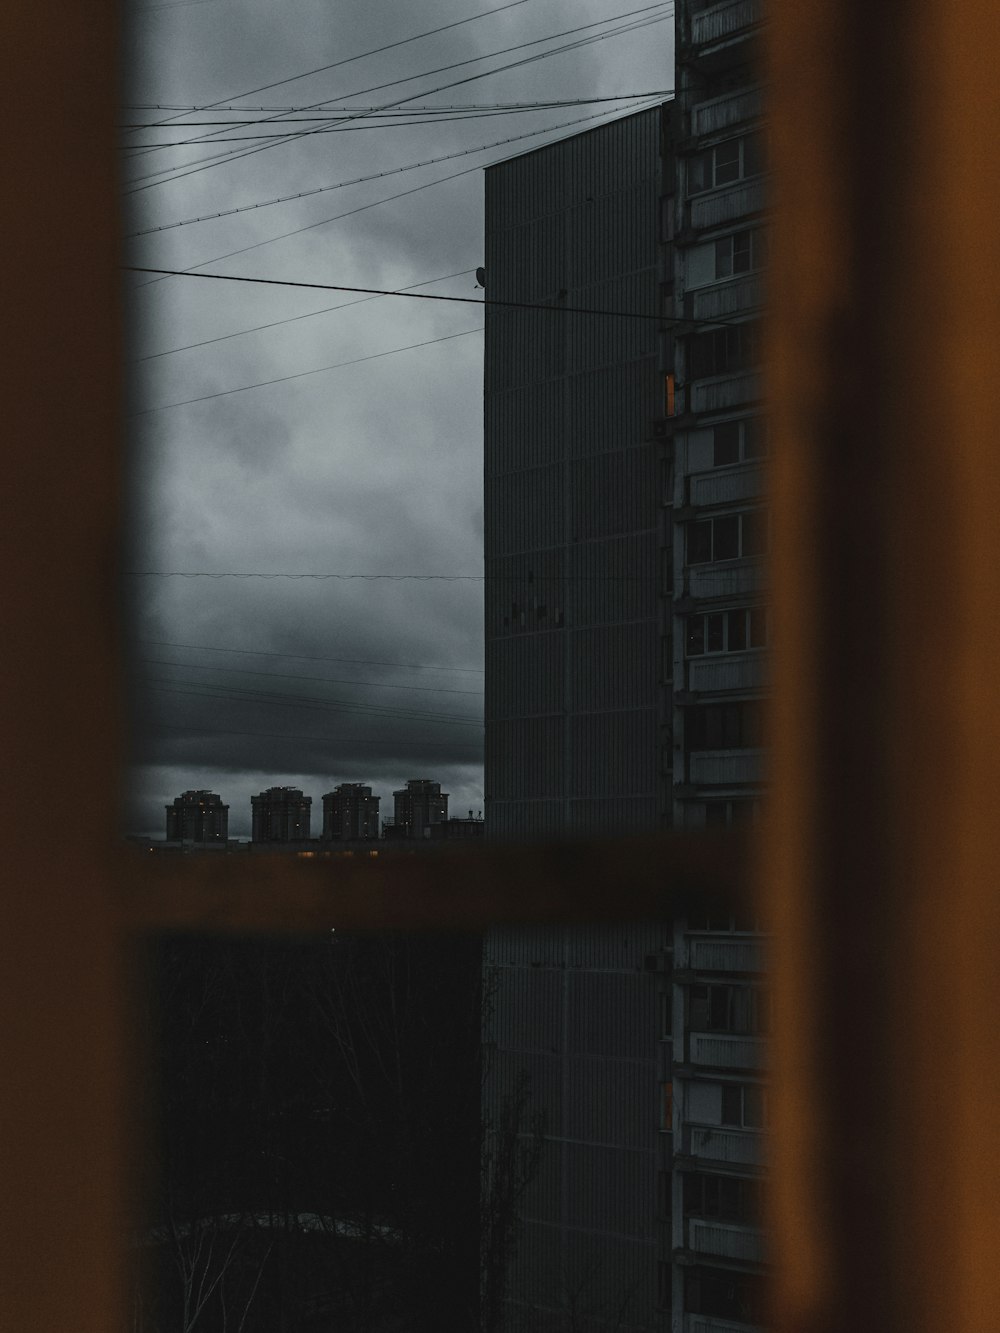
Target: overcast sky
(372,468)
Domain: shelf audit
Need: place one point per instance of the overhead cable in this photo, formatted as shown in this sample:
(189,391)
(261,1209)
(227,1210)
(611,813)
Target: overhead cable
(371,176)
(308,657)
(189,169)
(362,55)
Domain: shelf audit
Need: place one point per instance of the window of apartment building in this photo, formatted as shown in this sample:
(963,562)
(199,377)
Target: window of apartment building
(720,1198)
(725,726)
(743,1010)
(725,163)
(719,1292)
(744,1105)
(738,441)
(723,350)
(724,814)
(727,537)
(726,631)
(741,252)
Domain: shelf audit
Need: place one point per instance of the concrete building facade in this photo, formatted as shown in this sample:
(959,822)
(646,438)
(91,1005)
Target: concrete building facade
(280,814)
(716,621)
(198,816)
(626,629)
(574,1017)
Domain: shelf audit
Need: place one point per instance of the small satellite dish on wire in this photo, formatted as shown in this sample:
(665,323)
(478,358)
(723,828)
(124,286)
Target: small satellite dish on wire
(480,277)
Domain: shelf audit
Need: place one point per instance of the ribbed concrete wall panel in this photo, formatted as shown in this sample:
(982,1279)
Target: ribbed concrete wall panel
(612,815)
(529,758)
(524,427)
(528,1010)
(529,675)
(611,1013)
(610,408)
(613,493)
(612,582)
(611,753)
(521,821)
(526,593)
(611,1101)
(526,507)
(618,948)
(616,666)
(610,1283)
(592,341)
(610,1189)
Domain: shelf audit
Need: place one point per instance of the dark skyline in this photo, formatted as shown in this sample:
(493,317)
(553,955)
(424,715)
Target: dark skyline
(375,468)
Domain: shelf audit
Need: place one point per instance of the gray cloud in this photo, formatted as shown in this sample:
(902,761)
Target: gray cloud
(372,468)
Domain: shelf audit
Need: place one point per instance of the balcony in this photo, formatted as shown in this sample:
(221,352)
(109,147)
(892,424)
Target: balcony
(723,112)
(726,485)
(726,768)
(724,22)
(729,955)
(732,578)
(721,675)
(727,1240)
(704,1323)
(740,1147)
(714,1050)
(731,298)
(711,210)
(731,391)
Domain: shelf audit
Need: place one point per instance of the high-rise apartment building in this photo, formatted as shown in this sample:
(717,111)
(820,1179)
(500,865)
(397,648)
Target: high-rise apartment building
(417,807)
(574,718)
(626,624)
(198,816)
(280,814)
(715,247)
(350,811)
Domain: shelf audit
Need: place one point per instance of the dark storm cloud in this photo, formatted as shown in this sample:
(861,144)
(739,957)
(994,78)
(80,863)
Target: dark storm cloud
(372,468)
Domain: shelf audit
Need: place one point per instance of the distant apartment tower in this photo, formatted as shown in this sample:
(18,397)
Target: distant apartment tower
(280,814)
(197,816)
(418,807)
(350,811)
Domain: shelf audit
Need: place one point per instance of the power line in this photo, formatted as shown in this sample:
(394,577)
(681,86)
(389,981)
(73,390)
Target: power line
(323,115)
(301,374)
(361,180)
(336,217)
(412,296)
(235,695)
(373,742)
(291,319)
(308,657)
(184,170)
(321,680)
(363,55)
